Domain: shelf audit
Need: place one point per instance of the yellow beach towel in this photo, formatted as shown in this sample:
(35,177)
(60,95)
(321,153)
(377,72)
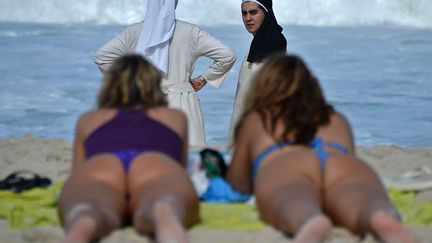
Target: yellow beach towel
(37,207)
(229,216)
(412,212)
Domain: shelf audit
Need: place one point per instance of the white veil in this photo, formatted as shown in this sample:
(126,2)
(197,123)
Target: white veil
(157,31)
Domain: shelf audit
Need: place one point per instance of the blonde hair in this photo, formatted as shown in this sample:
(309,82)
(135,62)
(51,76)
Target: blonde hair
(131,82)
(285,90)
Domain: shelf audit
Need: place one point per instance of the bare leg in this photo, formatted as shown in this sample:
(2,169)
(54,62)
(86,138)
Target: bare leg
(163,200)
(291,201)
(168,226)
(81,228)
(89,215)
(90,207)
(81,232)
(314,230)
(358,201)
(163,217)
(388,228)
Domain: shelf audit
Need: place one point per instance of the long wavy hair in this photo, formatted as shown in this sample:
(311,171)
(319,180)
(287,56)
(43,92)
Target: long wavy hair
(284,89)
(132,82)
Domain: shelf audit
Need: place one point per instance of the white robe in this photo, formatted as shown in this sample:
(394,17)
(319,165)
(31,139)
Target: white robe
(247,72)
(189,42)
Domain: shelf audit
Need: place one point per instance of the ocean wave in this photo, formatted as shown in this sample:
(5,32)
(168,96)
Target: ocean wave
(20,34)
(414,13)
(12,34)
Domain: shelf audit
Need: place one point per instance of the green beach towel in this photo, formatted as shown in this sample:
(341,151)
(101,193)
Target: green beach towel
(37,207)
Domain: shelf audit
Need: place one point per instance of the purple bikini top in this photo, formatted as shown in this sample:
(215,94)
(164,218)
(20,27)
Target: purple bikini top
(134,130)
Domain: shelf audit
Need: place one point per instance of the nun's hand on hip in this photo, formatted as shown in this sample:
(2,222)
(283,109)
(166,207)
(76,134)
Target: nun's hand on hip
(197,83)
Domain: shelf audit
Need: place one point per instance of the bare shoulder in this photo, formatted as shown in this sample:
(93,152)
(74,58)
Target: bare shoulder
(339,123)
(99,114)
(177,113)
(173,118)
(168,114)
(90,120)
(339,119)
(86,117)
(341,126)
(251,123)
(178,116)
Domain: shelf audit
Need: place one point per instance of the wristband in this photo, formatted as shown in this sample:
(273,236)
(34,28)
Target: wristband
(203,80)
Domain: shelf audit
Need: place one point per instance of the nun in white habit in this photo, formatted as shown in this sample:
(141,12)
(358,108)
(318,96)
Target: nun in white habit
(173,46)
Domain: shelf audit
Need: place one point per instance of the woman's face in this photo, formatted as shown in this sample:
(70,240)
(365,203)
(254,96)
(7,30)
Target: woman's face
(253,16)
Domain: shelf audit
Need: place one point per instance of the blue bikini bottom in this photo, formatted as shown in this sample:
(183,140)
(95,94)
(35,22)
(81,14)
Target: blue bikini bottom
(317,144)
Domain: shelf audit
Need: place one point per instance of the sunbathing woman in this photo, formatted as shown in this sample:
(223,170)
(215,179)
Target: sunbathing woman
(128,161)
(296,154)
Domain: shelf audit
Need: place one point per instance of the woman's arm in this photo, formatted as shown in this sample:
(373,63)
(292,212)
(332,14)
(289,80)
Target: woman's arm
(239,173)
(78,156)
(185,137)
(344,131)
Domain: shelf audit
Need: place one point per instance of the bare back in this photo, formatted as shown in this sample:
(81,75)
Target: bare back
(254,139)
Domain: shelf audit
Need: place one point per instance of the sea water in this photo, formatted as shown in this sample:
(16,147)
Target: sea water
(374,64)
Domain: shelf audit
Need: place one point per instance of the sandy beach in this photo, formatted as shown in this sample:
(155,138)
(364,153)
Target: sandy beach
(52,158)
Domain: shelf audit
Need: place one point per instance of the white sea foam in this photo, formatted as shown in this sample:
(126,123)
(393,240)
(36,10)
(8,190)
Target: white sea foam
(414,13)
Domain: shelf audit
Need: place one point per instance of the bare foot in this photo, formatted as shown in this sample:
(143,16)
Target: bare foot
(81,230)
(168,227)
(389,229)
(314,230)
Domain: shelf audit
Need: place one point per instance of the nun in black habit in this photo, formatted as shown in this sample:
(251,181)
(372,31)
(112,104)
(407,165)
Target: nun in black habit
(260,21)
